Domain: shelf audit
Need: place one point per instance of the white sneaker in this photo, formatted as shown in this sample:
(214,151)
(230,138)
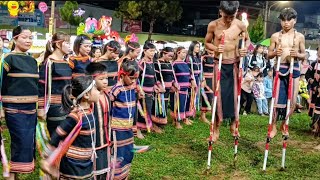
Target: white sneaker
(244,113)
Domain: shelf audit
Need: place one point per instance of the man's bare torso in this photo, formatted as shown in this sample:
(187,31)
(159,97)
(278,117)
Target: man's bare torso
(231,41)
(290,40)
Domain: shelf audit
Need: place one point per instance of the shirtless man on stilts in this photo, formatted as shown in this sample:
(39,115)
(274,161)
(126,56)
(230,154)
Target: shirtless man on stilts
(232,28)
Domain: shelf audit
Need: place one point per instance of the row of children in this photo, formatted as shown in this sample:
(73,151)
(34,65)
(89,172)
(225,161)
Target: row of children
(93,108)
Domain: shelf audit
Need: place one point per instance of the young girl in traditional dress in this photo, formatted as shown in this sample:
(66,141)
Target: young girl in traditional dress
(206,84)
(132,52)
(194,61)
(95,53)
(19,90)
(102,117)
(109,59)
(123,97)
(79,152)
(81,47)
(55,73)
(165,73)
(178,102)
(150,86)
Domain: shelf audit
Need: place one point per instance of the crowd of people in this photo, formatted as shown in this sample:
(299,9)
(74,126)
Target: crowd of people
(95,101)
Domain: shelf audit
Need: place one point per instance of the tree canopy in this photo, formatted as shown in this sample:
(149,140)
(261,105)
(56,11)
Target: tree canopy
(150,11)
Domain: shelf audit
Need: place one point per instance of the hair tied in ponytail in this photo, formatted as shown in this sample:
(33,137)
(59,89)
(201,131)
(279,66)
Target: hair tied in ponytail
(51,46)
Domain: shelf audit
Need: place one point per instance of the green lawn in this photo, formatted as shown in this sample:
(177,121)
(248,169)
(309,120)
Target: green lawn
(182,154)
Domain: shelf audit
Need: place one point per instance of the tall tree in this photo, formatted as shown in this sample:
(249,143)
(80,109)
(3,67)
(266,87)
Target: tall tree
(66,13)
(257,31)
(150,11)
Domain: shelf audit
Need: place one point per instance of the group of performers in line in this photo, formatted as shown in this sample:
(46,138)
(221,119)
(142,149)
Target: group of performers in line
(93,108)
(96,106)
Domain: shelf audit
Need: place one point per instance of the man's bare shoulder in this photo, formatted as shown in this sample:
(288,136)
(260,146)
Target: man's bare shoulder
(300,35)
(214,23)
(275,35)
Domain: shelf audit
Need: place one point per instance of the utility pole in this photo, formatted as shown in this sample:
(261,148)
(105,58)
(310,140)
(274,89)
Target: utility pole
(51,19)
(266,19)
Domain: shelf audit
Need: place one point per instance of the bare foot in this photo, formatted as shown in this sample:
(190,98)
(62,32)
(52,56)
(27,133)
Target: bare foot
(139,134)
(233,130)
(48,169)
(215,135)
(274,130)
(283,129)
(203,118)
(156,129)
(187,122)
(178,125)
(11,177)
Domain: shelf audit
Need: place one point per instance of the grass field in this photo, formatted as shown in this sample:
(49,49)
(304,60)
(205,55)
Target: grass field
(182,154)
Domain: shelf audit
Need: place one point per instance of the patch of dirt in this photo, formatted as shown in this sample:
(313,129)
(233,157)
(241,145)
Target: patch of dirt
(167,178)
(305,146)
(317,147)
(261,145)
(180,149)
(237,175)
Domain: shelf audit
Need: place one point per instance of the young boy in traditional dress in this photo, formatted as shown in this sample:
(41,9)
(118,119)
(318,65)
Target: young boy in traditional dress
(231,28)
(101,113)
(286,44)
(123,97)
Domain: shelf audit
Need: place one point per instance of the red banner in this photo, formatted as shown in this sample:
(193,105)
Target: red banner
(132,26)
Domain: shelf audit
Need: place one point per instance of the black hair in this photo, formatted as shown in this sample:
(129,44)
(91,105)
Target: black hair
(95,68)
(254,68)
(77,42)
(129,66)
(93,50)
(288,14)
(131,46)
(256,49)
(177,51)
(15,32)
(58,37)
(73,90)
(166,50)
(147,46)
(229,7)
(191,48)
(260,75)
(113,46)
(149,41)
